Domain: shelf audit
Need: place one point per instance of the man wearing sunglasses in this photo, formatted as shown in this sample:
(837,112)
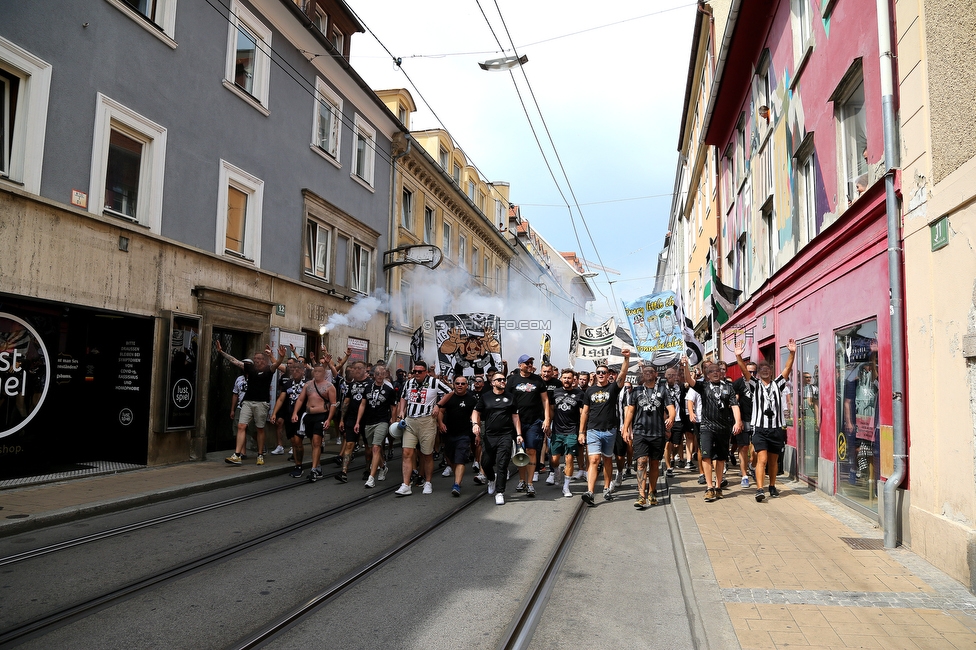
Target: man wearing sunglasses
(599,420)
(420,396)
(532,402)
(720,419)
(496,422)
(454,423)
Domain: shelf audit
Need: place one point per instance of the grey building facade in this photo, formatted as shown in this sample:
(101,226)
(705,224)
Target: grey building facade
(175,172)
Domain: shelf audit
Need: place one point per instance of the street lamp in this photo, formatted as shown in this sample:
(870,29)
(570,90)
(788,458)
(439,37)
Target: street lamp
(505,63)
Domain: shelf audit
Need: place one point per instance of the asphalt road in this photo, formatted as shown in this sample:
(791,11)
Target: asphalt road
(459,586)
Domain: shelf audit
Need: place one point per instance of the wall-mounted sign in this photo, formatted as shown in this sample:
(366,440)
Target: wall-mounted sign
(279,310)
(182,383)
(25,373)
(79,198)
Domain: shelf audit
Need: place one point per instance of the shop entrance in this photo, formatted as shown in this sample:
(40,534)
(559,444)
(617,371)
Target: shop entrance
(221,433)
(808,429)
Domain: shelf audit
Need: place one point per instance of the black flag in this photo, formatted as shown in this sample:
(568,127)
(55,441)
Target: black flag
(417,346)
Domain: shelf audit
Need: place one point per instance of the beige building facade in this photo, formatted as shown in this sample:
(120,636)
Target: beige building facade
(936,39)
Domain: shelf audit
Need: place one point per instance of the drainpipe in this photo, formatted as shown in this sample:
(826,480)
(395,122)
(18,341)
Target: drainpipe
(389,289)
(896,291)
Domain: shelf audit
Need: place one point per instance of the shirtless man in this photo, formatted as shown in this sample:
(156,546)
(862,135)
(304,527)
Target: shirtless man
(319,396)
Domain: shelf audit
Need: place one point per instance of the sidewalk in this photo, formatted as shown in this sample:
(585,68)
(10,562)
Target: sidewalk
(31,507)
(785,577)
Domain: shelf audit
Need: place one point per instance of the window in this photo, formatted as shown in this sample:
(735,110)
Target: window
(446,239)
(462,250)
(498,279)
(402,115)
(361,260)
(487,271)
(248,66)
(443,158)
(763,95)
(25,83)
(482,201)
(327,117)
(240,198)
(743,267)
(158,17)
(406,210)
(854,142)
(499,214)
(318,250)
(321,21)
(858,399)
(772,238)
(740,150)
(128,162)
(364,151)
(405,300)
(474,261)
(806,192)
(428,225)
(336,38)
(803,25)
(342,261)
(471,190)
(456,174)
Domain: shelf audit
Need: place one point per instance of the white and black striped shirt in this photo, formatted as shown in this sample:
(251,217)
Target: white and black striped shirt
(767,403)
(422,397)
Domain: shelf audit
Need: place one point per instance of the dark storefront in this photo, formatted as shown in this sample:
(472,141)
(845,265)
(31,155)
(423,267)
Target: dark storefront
(79,387)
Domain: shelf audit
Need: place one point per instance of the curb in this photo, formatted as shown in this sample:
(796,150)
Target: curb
(709,619)
(65,515)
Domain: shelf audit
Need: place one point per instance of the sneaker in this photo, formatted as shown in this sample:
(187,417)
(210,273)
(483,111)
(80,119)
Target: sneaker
(342,477)
(630,473)
(370,482)
(291,457)
(499,499)
(381,475)
(709,495)
(243,456)
(365,474)
(641,503)
(520,487)
(760,495)
(428,488)
(701,479)
(567,492)
(587,498)
(608,495)
(669,473)
(690,464)
(724,483)
(233,459)
(476,467)
(652,500)
(751,472)
(480,479)
(278,451)
(535,477)
(618,479)
(551,479)
(338,461)
(773,491)
(456,490)
(718,493)
(579,475)
(530,491)
(403,490)
(296,473)
(260,460)
(491,487)
(447,471)
(745,481)
(315,474)
(437,455)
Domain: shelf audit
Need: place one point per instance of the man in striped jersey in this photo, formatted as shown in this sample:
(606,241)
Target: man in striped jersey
(420,396)
(769,437)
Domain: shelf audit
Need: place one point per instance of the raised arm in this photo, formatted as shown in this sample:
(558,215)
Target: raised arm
(622,375)
(231,358)
(739,349)
(788,368)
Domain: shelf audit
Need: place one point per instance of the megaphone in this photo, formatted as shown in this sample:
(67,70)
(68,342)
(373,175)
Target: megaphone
(520,458)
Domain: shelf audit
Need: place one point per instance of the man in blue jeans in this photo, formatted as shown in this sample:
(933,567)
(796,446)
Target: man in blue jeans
(600,422)
(532,403)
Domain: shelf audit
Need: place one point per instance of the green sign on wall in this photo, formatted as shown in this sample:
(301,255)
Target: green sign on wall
(939,232)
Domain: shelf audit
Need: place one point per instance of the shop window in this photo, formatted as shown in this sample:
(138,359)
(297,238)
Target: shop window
(858,388)
(808,433)
(128,162)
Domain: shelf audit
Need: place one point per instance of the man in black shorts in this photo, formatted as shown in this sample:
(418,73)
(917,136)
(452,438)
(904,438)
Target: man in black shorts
(356,388)
(319,398)
(769,437)
(743,440)
(501,427)
(720,420)
(648,416)
(532,402)
(286,406)
(677,438)
(454,423)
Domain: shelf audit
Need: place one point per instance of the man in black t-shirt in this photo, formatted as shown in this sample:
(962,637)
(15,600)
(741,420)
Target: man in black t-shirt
(373,418)
(532,402)
(720,420)
(352,396)
(549,377)
(567,405)
(599,423)
(499,414)
(257,400)
(649,415)
(743,439)
(454,423)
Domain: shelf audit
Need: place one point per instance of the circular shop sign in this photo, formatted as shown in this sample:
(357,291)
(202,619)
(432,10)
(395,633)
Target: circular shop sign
(125,416)
(182,393)
(25,373)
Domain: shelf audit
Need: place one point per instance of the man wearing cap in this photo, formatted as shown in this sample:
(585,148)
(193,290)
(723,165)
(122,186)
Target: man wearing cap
(598,425)
(532,405)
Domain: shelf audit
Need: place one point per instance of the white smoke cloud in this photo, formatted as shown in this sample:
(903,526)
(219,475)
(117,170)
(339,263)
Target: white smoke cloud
(364,308)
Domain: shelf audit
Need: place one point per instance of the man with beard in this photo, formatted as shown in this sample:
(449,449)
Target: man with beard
(373,420)
(454,423)
(599,421)
(720,420)
(352,397)
(257,400)
(319,398)
(567,404)
(499,414)
(532,401)
(649,415)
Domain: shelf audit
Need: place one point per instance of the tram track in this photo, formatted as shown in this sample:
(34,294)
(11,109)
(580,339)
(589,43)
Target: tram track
(147,523)
(50,622)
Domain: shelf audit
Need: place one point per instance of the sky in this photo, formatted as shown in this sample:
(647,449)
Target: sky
(610,85)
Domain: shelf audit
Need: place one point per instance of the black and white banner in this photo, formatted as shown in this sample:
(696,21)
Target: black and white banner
(467,344)
(595,343)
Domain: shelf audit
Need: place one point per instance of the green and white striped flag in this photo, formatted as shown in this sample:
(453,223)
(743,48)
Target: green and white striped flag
(719,298)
